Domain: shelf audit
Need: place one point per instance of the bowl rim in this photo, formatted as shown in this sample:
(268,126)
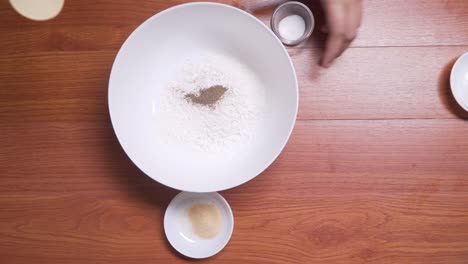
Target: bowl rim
(281,47)
(462,59)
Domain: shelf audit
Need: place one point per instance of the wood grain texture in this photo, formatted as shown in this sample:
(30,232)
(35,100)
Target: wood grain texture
(376,83)
(376,170)
(362,195)
(414,23)
(387,155)
(366,83)
(401,23)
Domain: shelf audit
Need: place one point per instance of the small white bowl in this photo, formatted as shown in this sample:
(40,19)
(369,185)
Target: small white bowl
(459,81)
(178,228)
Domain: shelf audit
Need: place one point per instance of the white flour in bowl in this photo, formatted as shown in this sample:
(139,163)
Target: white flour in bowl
(232,120)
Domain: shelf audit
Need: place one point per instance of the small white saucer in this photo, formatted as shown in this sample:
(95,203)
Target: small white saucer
(178,228)
(459,81)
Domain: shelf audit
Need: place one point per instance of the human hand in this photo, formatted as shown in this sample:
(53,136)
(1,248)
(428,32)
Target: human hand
(343,18)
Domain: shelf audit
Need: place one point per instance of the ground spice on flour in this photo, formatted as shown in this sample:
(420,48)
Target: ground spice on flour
(213,104)
(208,96)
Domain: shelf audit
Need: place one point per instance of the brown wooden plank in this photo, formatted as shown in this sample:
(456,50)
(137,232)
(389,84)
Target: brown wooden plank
(366,83)
(414,23)
(80,228)
(376,83)
(377,155)
(321,157)
(54,86)
(95,25)
(389,191)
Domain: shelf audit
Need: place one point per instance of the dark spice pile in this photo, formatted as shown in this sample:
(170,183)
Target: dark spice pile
(208,96)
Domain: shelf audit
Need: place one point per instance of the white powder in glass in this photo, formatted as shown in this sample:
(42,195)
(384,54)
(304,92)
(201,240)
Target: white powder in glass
(292,27)
(232,121)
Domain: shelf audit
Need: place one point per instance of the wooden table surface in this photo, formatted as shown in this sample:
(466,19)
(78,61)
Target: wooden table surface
(376,170)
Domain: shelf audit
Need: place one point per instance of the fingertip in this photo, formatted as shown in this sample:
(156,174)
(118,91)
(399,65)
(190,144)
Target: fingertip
(326,63)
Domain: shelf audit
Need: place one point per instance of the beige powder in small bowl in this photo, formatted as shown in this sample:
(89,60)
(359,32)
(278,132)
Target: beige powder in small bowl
(38,10)
(205,219)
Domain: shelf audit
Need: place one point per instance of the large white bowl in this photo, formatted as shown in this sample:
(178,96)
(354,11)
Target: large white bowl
(147,62)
